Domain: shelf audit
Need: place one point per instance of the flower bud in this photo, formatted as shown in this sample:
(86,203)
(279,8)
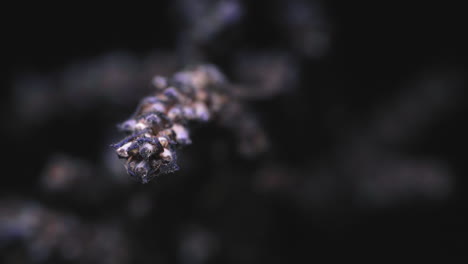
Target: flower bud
(122,151)
(160,82)
(182,134)
(164,142)
(146,150)
(166,155)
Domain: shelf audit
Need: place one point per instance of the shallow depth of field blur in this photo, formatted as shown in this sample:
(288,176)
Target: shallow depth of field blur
(363,107)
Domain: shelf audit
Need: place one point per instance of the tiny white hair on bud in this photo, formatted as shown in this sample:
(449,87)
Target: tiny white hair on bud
(147,146)
(164,142)
(122,151)
(140,126)
(182,134)
(166,155)
(142,168)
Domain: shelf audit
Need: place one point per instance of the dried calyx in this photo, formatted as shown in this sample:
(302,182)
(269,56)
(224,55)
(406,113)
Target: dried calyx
(159,125)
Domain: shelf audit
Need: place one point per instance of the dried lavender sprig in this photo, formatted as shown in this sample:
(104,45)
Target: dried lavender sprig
(159,125)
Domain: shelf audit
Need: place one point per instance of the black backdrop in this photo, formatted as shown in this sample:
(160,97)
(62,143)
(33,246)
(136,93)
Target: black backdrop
(376,51)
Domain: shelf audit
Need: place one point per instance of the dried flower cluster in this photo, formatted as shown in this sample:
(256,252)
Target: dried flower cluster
(159,125)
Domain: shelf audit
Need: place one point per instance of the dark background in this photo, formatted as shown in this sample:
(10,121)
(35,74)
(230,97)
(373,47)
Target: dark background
(376,55)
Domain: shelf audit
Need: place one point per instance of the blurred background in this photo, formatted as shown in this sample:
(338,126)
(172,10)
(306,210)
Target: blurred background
(362,105)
